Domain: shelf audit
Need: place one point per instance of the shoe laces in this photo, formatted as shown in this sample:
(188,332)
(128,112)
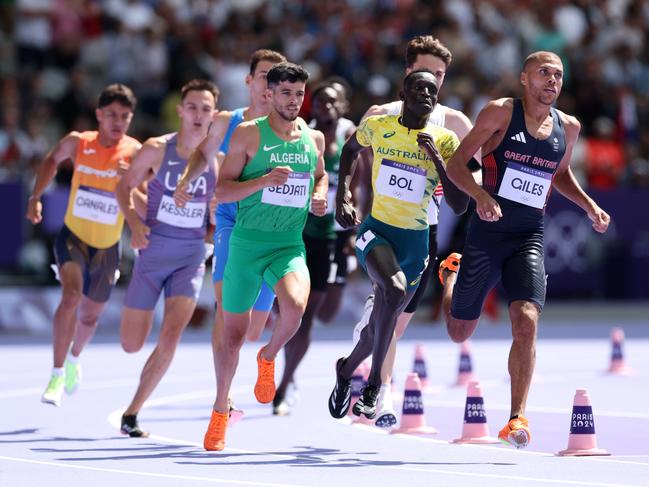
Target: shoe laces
(267,370)
(217,427)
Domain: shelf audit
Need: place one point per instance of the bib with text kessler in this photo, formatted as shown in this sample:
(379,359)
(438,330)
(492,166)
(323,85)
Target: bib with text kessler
(294,192)
(525,185)
(95,205)
(192,215)
(401,181)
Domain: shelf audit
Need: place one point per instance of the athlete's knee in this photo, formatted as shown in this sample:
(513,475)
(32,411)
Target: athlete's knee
(71,297)
(293,305)
(131,345)
(524,316)
(394,293)
(460,330)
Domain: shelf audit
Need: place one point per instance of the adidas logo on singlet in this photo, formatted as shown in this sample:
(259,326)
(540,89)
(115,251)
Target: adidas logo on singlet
(520,137)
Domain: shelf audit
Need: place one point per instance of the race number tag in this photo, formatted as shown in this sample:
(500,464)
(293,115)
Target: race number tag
(191,216)
(525,185)
(294,193)
(95,205)
(364,239)
(401,181)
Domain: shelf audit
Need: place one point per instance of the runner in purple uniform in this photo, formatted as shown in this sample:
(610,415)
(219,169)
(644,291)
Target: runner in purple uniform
(170,242)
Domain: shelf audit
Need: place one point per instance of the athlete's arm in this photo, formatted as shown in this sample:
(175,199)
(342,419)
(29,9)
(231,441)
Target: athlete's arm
(143,167)
(321,183)
(243,147)
(201,157)
(346,214)
(565,182)
(489,122)
(65,149)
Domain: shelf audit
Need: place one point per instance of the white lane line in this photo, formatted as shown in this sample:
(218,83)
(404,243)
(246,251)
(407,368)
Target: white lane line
(149,474)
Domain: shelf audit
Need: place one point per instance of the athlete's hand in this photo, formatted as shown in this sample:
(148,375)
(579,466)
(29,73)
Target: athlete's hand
(346,214)
(487,208)
(181,194)
(427,143)
(277,176)
(139,234)
(212,209)
(600,219)
(318,204)
(122,167)
(34,210)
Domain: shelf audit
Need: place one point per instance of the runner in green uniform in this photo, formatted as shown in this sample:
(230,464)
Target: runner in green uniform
(274,168)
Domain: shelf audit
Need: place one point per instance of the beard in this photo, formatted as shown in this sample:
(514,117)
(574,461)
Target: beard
(289,117)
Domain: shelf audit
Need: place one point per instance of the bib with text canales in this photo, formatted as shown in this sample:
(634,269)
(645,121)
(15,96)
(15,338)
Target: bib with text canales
(401,181)
(294,192)
(525,185)
(96,205)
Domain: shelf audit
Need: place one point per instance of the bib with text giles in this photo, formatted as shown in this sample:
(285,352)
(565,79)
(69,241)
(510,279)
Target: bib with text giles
(525,185)
(95,205)
(401,181)
(192,215)
(294,192)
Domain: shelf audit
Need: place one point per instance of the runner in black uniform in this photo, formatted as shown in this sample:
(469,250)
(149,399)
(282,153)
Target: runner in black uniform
(526,146)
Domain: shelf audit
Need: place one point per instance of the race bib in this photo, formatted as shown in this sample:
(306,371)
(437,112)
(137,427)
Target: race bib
(191,216)
(525,185)
(293,193)
(95,205)
(364,239)
(401,181)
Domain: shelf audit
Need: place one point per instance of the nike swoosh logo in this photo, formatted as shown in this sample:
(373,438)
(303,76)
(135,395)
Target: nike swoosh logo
(174,163)
(270,147)
(89,151)
(387,135)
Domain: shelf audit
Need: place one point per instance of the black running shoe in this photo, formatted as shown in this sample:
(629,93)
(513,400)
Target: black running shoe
(131,428)
(341,395)
(366,404)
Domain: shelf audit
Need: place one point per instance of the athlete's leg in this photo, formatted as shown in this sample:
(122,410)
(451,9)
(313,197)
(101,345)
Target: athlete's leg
(88,316)
(135,326)
(226,355)
(522,356)
(65,317)
(178,310)
(260,312)
(459,330)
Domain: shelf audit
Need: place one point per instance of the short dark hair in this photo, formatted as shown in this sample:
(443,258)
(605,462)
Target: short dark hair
(265,55)
(286,72)
(200,85)
(119,93)
(427,45)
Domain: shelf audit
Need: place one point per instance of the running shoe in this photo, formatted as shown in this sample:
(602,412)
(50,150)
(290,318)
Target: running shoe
(292,394)
(516,432)
(214,439)
(234,412)
(54,391)
(265,386)
(281,407)
(366,404)
(72,376)
(131,428)
(365,319)
(387,416)
(341,396)
(451,263)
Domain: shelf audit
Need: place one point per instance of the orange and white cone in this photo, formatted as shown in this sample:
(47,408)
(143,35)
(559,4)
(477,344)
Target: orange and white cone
(419,368)
(475,429)
(618,367)
(582,440)
(465,368)
(413,420)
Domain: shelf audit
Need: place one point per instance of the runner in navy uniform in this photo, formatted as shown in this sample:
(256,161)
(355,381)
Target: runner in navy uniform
(526,146)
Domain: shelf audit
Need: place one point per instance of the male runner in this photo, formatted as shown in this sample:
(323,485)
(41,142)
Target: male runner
(87,247)
(422,52)
(320,236)
(218,141)
(170,240)
(392,242)
(527,145)
(274,168)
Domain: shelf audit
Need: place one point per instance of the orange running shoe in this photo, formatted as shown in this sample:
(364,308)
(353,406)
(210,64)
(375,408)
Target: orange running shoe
(214,439)
(451,263)
(265,386)
(516,432)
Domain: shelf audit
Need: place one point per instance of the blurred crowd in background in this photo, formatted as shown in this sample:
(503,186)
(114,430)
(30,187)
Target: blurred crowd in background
(56,55)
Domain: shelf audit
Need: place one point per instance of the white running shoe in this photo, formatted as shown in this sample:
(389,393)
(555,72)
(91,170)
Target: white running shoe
(386,416)
(292,396)
(365,319)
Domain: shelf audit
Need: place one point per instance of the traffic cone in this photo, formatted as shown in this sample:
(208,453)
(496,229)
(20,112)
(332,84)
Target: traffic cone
(582,440)
(465,369)
(419,368)
(618,367)
(475,428)
(413,420)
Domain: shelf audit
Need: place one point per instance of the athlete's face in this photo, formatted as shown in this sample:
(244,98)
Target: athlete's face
(420,93)
(326,106)
(287,98)
(114,120)
(256,82)
(197,110)
(431,63)
(543,79)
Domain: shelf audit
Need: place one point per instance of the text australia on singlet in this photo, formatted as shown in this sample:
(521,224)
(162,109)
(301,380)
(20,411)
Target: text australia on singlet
(295,191)
(193,213)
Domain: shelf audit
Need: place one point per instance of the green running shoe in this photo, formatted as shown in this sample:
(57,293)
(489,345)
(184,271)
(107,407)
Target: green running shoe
(72,376)
(54,391)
